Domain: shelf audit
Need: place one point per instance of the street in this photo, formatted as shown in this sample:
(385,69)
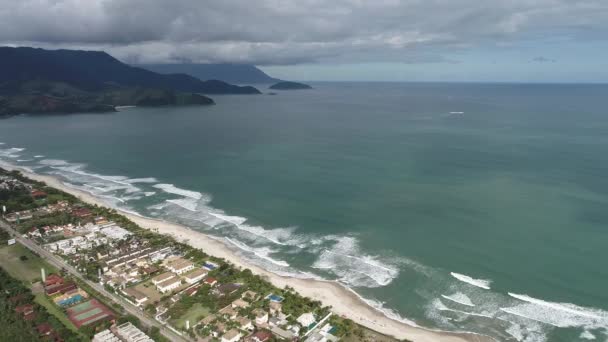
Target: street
(59,263)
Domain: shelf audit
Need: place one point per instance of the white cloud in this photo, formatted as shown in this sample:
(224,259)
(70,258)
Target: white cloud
(291,31)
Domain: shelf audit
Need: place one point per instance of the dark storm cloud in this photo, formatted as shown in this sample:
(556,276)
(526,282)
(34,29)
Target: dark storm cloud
(288,32)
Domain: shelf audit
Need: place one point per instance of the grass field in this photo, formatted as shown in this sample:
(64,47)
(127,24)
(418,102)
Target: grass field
(194,314)
(54,310)
(25,270)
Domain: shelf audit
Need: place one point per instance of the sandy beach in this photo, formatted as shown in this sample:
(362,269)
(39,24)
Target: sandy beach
(343,301)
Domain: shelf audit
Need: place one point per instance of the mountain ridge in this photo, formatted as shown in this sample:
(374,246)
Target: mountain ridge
(227,72)
(96,70)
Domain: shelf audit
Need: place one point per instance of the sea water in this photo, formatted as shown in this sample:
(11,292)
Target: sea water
(463,207)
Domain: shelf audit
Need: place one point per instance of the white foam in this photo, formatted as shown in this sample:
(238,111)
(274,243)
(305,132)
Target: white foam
(562,315)
(39,156)
(149,193)
(442,307)
(187,203)
(273,235)
(172,189)
(459,298)
(380,307)
(525,333)
(24,160)
(141,180)
(565,307)
(587,335)
(482,283)
(53,162)
(263,252)
(354,268)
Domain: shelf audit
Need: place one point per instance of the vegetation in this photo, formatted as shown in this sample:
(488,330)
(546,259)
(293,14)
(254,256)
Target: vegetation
(16,328)
(27,270)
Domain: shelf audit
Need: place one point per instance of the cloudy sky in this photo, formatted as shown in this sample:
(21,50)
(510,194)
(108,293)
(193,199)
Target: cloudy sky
(377,40)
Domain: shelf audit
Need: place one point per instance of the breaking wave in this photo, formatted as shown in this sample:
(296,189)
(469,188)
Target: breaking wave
(459,298)
(482,283)
(263,252)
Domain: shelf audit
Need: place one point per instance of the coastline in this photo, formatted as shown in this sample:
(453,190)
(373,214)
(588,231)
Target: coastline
(344,302)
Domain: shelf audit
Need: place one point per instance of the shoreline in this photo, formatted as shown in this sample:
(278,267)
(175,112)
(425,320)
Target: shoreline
(343,301)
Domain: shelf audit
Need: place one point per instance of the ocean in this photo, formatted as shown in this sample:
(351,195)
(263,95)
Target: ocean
(460,207)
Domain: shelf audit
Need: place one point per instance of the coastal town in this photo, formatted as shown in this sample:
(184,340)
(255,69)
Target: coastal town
(78,272)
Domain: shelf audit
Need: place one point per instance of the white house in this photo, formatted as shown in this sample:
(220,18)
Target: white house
(261,316)
(195,276)
(169,285)
(232,335)
(162,277)
(306,319)
(180,266)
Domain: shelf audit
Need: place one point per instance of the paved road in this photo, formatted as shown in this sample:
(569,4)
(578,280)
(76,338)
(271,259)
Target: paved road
(59,263)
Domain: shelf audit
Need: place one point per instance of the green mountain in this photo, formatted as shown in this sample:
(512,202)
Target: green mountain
(95,70)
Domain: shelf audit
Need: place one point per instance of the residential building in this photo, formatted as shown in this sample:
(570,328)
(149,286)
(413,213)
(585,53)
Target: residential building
(180,266)
(162,277)
(231,336)
(261,316)
(275,308)
(239,304)
(169,285)
(249,295)
(210,281)
(306,319)
(138,297)
(195,276)
(228,312)
(244,323)
(261,336)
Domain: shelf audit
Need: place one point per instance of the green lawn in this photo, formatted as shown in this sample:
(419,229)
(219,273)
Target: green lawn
(194,314)
(54,310)
(25,270)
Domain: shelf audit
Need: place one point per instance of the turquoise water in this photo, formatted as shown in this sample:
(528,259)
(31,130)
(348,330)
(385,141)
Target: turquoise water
(475,207)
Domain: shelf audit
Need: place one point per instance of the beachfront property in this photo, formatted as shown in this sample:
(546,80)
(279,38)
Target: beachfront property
(210,266)
(180,266)
(306,319)
(195,276)
(125,332)
(114,232)
(275,308)
(169,285)
(226,289)
(232,336)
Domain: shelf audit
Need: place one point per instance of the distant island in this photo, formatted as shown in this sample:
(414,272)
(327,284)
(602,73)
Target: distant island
(227,72)
(285,85)
(40,81)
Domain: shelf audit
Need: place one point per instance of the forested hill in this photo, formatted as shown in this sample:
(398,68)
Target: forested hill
(96,70)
